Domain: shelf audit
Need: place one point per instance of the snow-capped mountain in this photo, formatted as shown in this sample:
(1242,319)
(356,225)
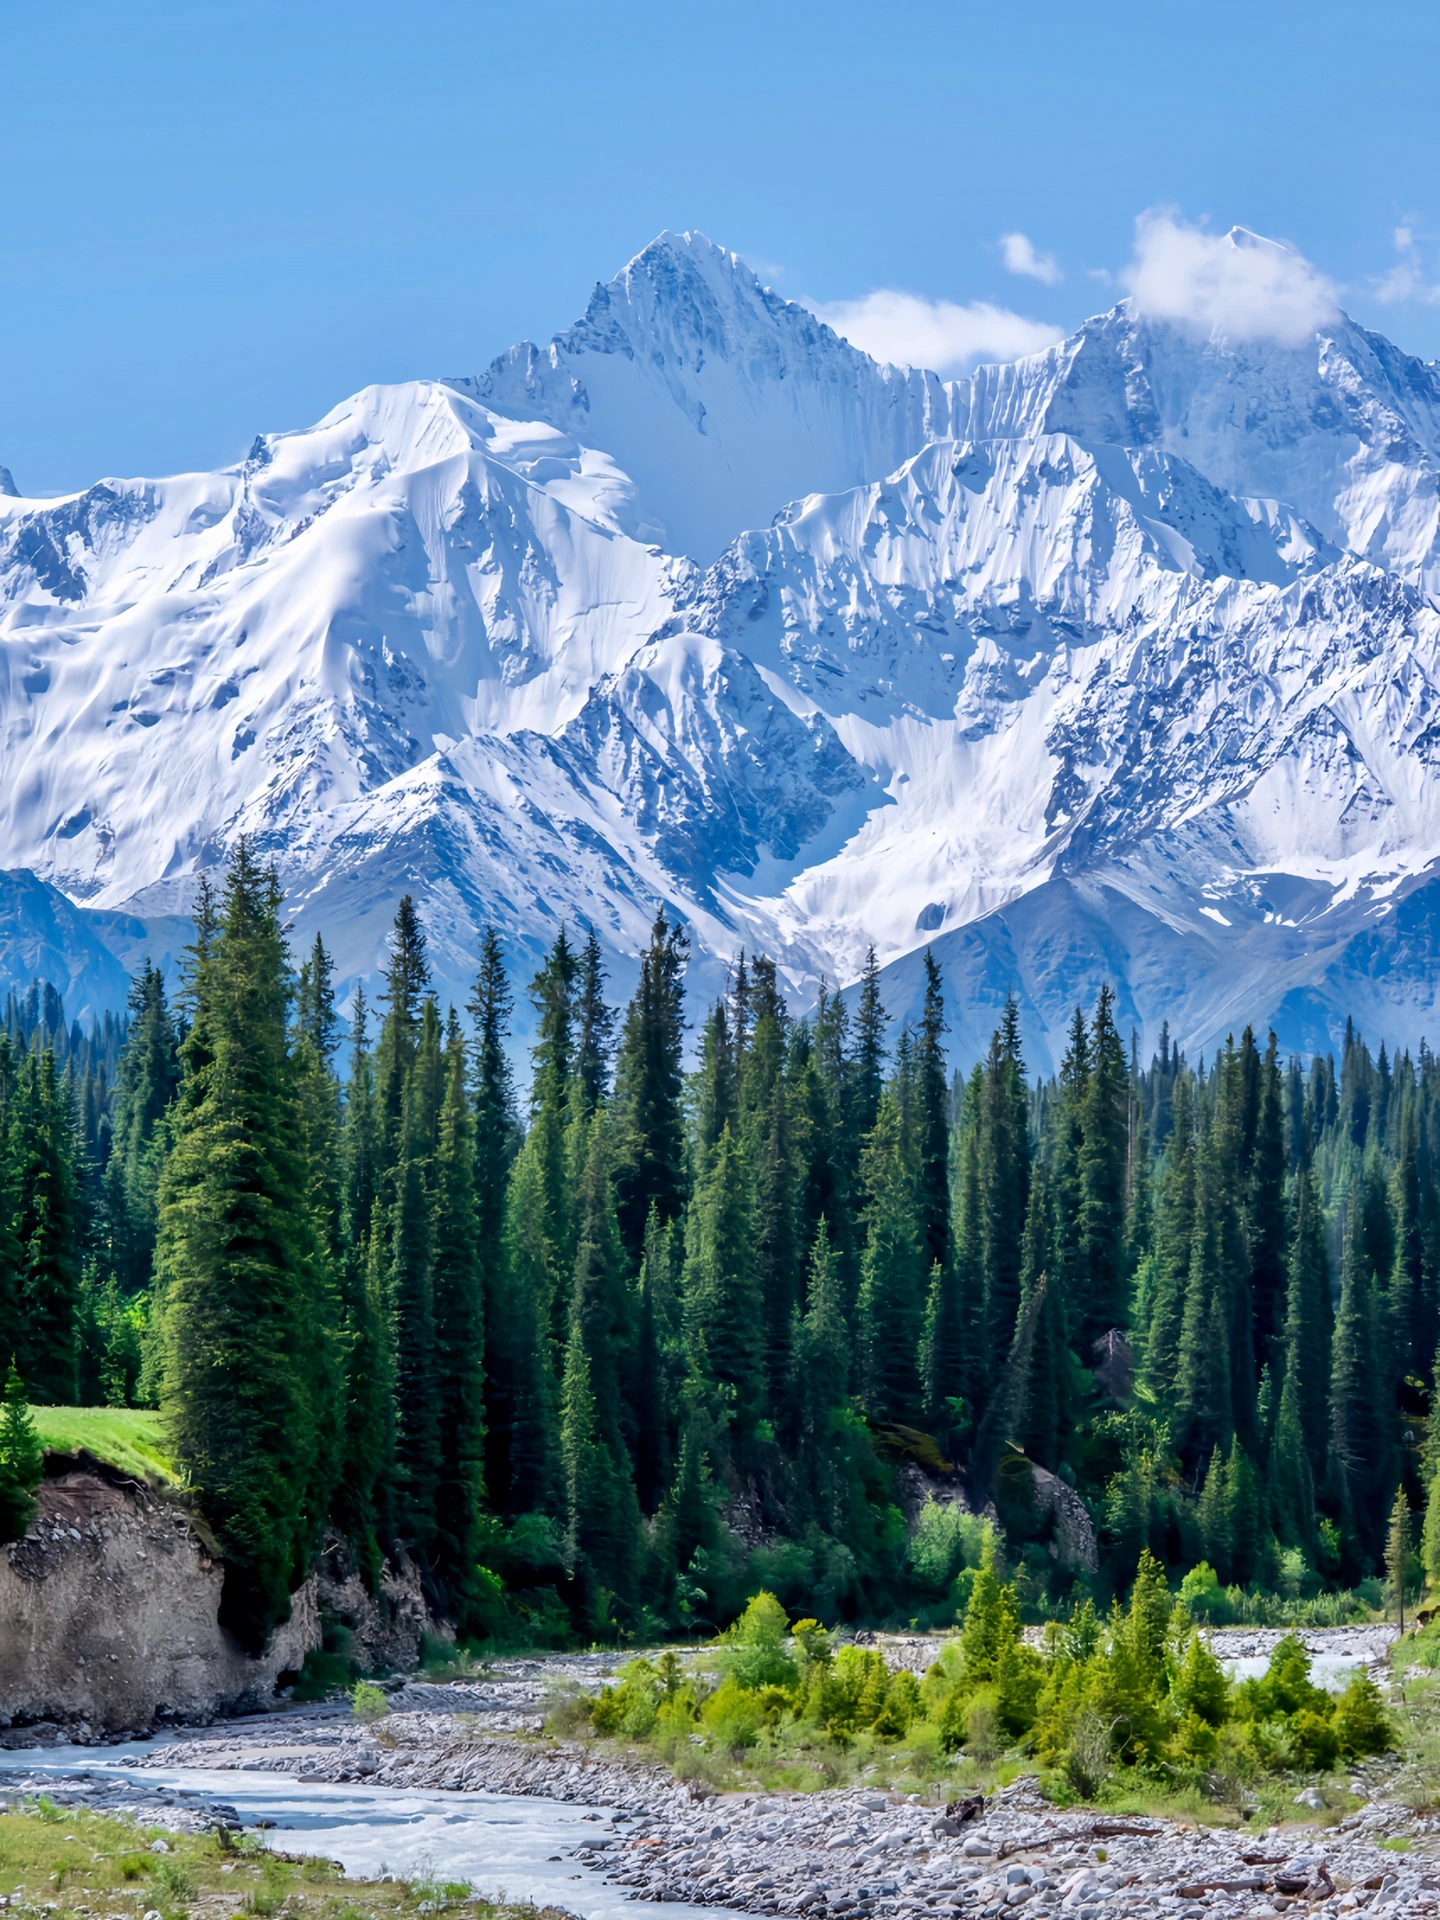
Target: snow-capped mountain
(1120,662)
(720,401)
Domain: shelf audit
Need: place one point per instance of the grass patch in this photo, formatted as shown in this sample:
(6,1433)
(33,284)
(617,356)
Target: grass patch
(65,1861)
(130,1438)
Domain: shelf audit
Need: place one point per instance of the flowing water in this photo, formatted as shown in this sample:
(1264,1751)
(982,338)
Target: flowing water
(503,1844)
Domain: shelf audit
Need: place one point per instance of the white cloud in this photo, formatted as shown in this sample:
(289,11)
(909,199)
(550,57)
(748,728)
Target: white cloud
(1406,279)
(765,271)
(1018,252)
(911,332)
(1235,284)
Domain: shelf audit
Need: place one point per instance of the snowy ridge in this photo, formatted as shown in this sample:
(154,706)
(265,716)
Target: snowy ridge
(1346,427)
(721,400)
(1118,662)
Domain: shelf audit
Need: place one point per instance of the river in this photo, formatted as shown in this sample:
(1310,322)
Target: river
(503,1844)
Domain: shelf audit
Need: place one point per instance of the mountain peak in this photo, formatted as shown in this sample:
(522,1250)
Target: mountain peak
(1343,427)
(721,400)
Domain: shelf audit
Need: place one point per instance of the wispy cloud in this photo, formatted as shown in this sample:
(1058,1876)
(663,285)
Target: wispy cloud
(1234,284)
(939,334)
(1406,280)
(763,270)
(1020,256)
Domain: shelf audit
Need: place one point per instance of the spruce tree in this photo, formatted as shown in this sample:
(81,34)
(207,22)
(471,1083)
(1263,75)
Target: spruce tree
(602,1519)
(497,1140)
(717,1103)
(595,1027)
(1004,1174)
(317,1096)
(1413,1327)
(1244,1515)
(239,1255)
(521,1346)
(1104,1117)
(1213,1513)
(1292,1482)
(1308,1319)
(407,975)
(552,1108)
(766,1136)
(459,1338)
(1203,1378)
(932,1131)
(1357,1438)
(1051,1392)
(958,1344)
(867,1066)
(723,1309)
(1265,1212)
(822,1368)
(22,1461)
(1172,1244)
(411,1294)
(367,1413)
(46,1223)
(650,1162)
(12,1305)
(688,1521)
(656,1374)
(146,1084)
(315,1016)
(1397,1552)
(893,1277)
(1066,1131)
(600,1298)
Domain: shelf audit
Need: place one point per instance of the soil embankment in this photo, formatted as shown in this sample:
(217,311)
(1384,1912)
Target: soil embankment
(109,1616)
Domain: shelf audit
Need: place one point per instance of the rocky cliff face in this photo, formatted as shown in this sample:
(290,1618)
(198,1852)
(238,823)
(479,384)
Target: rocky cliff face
(108,1617)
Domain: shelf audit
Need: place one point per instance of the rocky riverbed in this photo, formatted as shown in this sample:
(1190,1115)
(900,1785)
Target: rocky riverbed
(849,1853)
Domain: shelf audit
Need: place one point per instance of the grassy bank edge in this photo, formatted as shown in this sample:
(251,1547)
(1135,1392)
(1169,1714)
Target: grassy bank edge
(61,1861)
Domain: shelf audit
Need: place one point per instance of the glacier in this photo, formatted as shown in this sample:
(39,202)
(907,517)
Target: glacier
(1119,662)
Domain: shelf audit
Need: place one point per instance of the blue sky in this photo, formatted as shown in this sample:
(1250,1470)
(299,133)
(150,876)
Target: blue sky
(222,219)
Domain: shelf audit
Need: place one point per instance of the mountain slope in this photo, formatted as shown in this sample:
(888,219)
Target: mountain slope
(1121,662)
(720,400)
(1345,427)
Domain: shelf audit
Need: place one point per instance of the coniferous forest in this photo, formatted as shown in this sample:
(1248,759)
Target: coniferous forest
(610,1355)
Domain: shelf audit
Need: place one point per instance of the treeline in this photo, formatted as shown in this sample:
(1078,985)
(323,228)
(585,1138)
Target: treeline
(662,1337)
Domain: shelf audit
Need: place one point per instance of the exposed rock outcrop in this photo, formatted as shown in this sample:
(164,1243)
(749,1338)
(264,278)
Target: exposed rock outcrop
(1073,1542)
(385,1627)
(109,1616)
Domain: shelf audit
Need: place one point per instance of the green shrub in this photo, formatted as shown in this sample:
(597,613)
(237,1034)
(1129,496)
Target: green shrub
(173,1880)
(1361,1723)
(325,1673)
(1139,1690)
(633,1705)
(734,1715)
(1199,1685)
(1285,1687)
(1314,1741)
(754,1647)
(274,1887)
(946,1539)
(1203,1596)
(368,1702)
